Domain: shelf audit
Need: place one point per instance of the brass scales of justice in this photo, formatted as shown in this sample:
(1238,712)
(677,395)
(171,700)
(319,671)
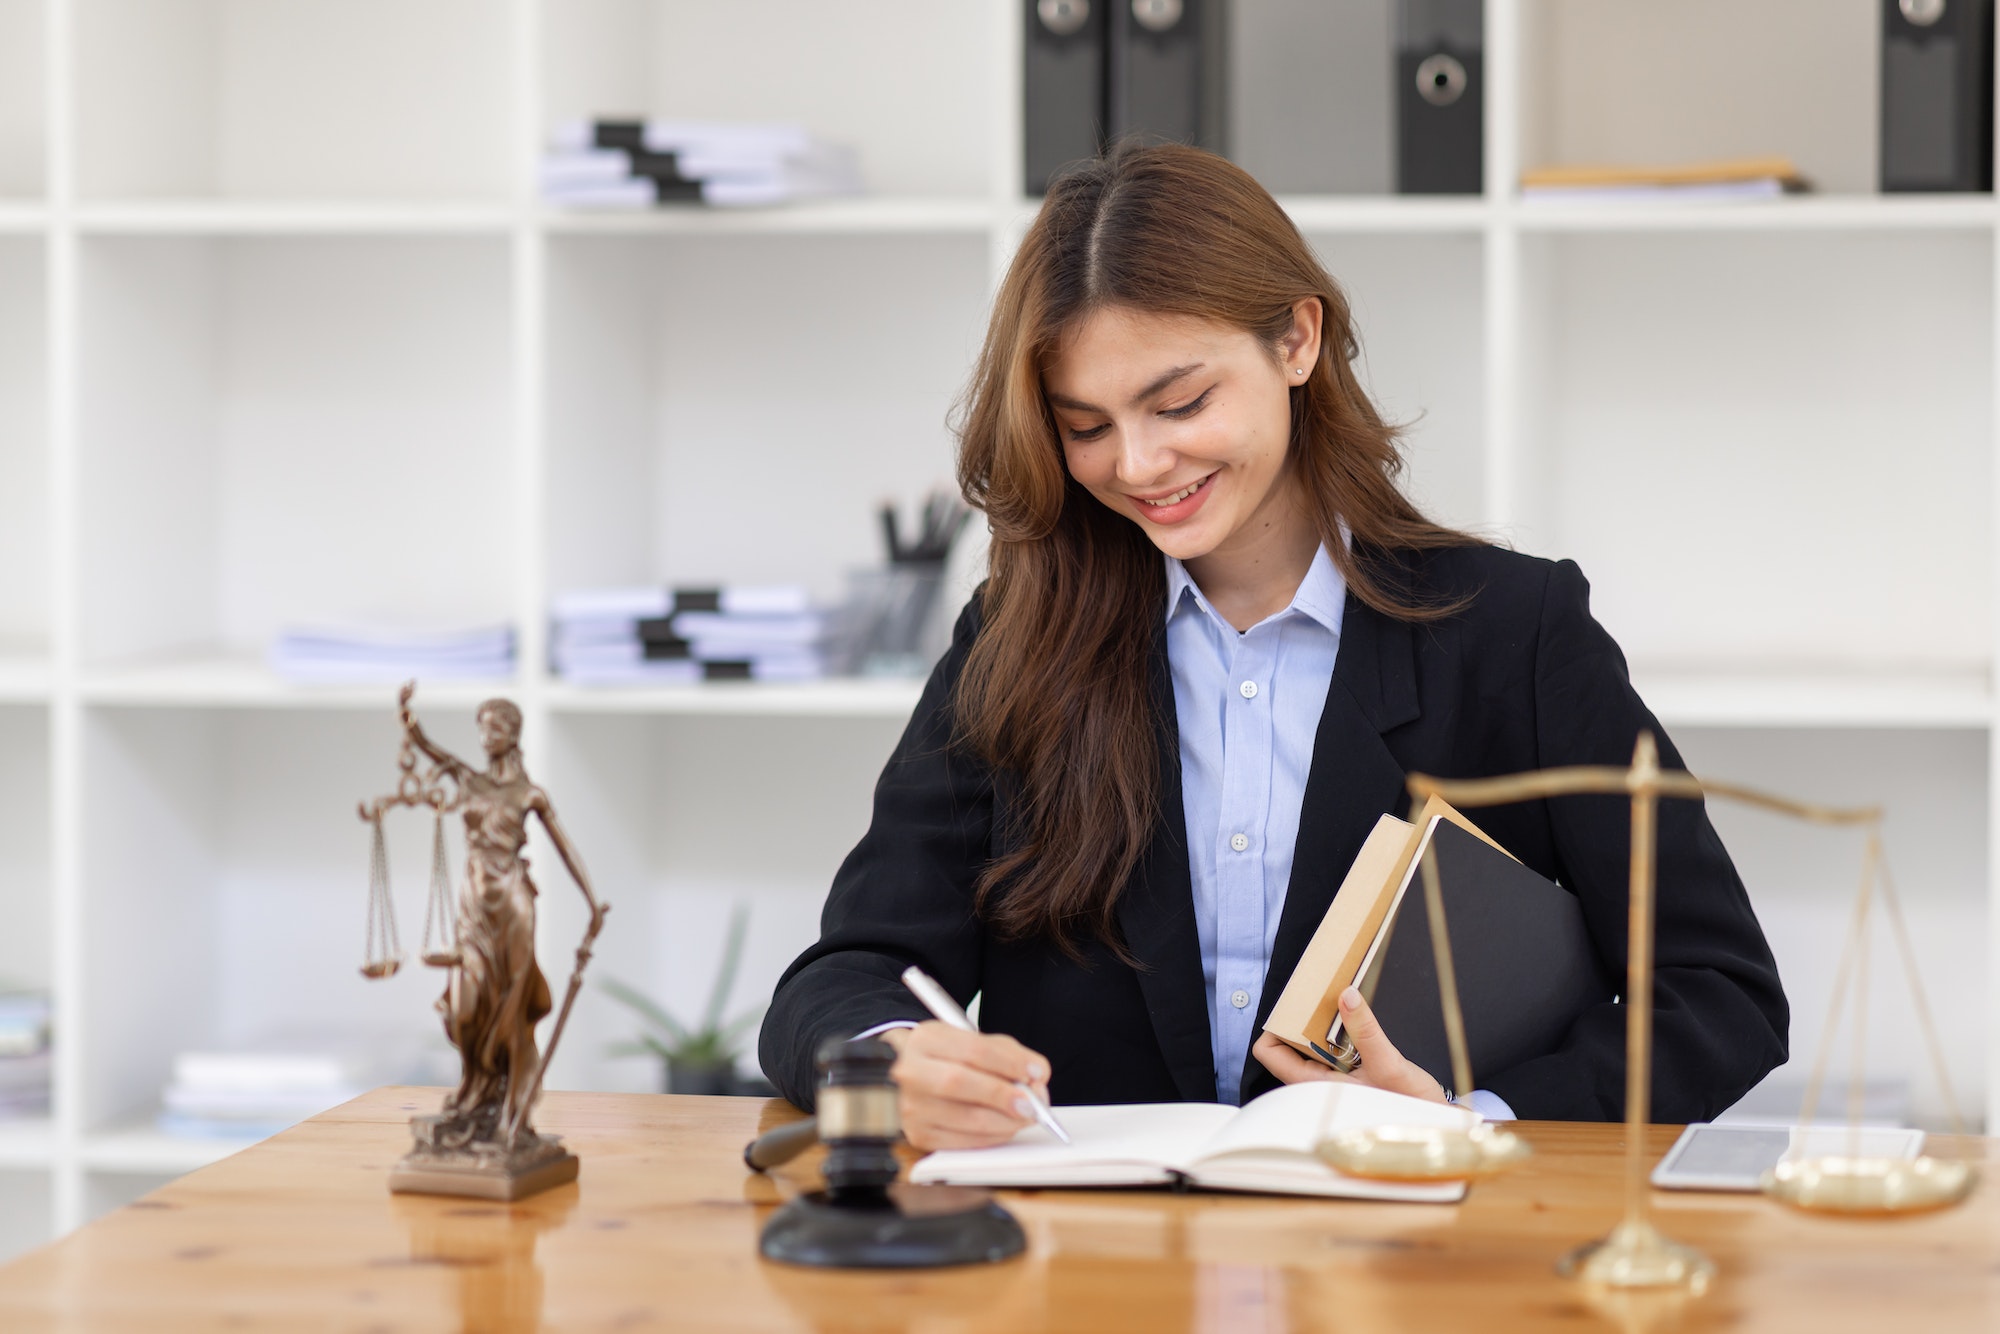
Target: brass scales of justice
(480,1143)
(1636,1255)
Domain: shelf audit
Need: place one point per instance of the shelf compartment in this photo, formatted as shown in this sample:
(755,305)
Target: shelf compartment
(1802,880)
(316,99)
(1790,77)
(1418,305)
(27,945)
(27,1209)
(656,807)
(696,436)
(24,454)
(291,431)
(23,100)
(1761,469)
(849,75)
(224,867)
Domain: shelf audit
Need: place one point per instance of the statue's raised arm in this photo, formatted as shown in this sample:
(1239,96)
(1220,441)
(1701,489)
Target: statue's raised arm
(413,731)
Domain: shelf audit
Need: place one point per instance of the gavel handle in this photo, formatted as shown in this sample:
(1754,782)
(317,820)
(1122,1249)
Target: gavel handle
(774,1147)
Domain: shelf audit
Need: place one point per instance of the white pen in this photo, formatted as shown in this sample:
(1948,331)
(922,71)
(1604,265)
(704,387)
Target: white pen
(939,1002)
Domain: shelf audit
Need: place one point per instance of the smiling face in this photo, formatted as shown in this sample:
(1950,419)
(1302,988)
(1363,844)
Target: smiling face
(1184,426)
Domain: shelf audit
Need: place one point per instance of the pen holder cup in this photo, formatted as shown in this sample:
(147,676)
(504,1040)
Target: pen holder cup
(892,624)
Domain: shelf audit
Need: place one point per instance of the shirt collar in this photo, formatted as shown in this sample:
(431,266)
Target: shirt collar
(1322,593)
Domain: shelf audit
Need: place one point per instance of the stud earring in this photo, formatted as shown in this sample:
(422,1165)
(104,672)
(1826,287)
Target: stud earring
(1299,370)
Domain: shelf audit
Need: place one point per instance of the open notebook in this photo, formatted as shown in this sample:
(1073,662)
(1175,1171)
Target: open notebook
(1266,1145)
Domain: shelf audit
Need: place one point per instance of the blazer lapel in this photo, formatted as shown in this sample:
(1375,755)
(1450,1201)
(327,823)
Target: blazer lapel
(1156,913)
(1353,781)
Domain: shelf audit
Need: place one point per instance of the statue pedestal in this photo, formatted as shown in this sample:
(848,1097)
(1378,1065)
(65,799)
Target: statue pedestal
(480,1169)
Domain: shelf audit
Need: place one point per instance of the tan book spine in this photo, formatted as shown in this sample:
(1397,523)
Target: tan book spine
(1305,1008)
(1338,950)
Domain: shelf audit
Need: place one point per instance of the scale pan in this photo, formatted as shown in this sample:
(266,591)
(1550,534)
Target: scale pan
(443,958)
(1869,1186)
(381,968)
(1423,1153)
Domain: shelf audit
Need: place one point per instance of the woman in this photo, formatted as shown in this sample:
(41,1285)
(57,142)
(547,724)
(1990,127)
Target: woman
(1214,640)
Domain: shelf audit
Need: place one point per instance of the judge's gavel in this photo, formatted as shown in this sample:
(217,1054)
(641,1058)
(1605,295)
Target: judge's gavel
(865,1219)
(857,1119)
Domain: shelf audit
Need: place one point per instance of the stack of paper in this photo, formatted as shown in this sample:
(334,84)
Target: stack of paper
(339,656)
(615,164)
(637,636)
(24,1054)
(256,1090)
(1741,178)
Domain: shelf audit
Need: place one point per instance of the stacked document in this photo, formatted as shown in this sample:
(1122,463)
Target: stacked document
(368,655)
(674,636)
(24,1054)
(631,164)
(1739,178)
(254,1091)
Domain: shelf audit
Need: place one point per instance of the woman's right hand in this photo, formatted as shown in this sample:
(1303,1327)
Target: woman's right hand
(955,1090)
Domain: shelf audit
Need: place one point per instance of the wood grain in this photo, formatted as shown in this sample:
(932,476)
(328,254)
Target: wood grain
(659,1233)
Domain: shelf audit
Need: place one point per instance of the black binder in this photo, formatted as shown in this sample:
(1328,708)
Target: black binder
(1937,95)
(1441,90)
(1166,71)
(1063,74)
(1519,950)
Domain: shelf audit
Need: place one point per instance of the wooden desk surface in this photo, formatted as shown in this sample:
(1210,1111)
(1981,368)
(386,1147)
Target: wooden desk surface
(300,1233)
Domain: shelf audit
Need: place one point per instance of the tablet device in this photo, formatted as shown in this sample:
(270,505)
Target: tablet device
(1735,1157)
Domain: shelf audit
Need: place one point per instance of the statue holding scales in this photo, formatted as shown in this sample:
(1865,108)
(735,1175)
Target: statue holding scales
(481,1143)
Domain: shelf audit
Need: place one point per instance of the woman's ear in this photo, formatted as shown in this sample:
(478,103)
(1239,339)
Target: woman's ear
(1300,346)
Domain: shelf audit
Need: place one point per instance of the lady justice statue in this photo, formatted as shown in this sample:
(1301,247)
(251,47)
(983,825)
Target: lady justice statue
(481,1142)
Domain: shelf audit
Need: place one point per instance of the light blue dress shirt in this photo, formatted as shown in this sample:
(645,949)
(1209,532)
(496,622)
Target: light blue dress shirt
(1248,707)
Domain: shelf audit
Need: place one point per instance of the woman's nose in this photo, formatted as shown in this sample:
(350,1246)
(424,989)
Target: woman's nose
(1143,457)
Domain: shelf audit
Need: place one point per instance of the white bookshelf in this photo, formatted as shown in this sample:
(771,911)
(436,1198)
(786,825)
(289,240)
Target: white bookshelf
(272,351)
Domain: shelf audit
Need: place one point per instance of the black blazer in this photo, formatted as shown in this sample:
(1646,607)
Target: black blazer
(1521,678)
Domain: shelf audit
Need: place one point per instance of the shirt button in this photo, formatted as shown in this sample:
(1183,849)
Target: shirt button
(1239,998)
(1248,690)
(1239,841)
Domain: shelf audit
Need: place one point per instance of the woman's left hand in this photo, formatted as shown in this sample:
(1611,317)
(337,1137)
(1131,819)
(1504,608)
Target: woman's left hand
(1382,1066)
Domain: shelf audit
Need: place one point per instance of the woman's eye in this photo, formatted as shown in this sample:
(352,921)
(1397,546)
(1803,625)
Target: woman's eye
(1188,410)
(1092,433)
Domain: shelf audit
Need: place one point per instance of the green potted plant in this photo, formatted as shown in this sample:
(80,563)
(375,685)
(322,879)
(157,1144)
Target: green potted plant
(702,1058)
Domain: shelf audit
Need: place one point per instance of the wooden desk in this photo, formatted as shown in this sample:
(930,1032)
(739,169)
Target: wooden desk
(300,1233)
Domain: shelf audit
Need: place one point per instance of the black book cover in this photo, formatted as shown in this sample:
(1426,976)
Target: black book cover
(1522,955)
(697,599)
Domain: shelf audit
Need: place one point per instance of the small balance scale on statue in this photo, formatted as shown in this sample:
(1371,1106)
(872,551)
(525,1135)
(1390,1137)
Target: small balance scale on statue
(480,1143)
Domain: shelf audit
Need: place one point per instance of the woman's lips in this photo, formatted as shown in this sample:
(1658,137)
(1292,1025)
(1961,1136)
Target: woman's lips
(1190,501)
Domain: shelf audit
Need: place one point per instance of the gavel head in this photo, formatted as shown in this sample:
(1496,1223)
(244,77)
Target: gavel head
(858,1121)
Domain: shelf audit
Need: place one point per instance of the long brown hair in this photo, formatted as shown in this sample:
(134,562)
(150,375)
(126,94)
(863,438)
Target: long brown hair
(1055,689)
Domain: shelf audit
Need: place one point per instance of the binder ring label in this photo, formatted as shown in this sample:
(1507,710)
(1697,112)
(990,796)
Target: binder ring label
(1063,17)
(1441,80)
(1158,15)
